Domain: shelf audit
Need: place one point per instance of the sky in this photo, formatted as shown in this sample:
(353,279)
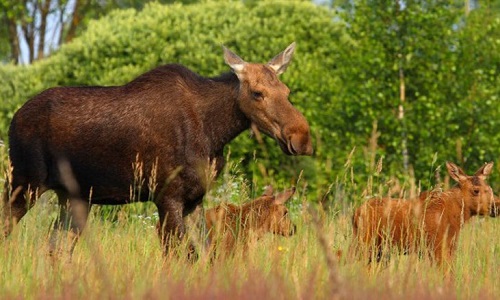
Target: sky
(52,35)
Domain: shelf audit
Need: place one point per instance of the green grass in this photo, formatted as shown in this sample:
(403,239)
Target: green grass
(119,257)
(122,259)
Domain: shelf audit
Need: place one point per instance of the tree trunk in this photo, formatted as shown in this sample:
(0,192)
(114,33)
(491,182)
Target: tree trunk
(15,49)
(44,11)
(76,18)
(28,30)
(401,57)
(401,117)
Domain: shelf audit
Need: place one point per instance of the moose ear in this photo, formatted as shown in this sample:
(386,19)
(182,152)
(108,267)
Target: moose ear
(455,172)
(484,171)
(234,61)
(280,62)
(268,191)
(281,198)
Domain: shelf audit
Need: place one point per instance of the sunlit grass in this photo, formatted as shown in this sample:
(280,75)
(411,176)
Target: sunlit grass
(123,259)
(119,256)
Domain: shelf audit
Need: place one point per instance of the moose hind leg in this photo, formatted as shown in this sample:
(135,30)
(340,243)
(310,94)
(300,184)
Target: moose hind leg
(16,203)
(25,181)
(73,214)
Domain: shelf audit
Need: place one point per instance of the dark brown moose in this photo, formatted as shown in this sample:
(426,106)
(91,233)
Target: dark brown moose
(153,139)
(229,225)
(431,223)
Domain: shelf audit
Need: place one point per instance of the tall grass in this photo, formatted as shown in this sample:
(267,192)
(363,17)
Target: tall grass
(119,255)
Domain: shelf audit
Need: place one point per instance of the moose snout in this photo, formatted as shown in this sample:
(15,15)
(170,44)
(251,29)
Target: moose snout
(300,142)
(302,145)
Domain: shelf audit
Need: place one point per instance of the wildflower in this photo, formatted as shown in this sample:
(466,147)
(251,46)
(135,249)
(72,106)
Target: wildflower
(282,249)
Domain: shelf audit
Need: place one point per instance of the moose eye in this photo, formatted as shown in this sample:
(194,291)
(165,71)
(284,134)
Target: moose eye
(257,95)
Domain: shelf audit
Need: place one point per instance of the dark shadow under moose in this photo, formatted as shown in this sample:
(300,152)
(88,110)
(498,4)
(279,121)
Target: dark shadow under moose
(157,138)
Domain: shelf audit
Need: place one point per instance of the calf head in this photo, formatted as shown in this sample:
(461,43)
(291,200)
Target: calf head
(263,98)
(274,216)
(477,194)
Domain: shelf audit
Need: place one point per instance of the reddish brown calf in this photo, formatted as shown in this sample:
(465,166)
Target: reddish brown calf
(228,224)
(432,222)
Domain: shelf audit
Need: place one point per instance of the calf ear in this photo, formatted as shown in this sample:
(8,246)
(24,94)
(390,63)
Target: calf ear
(281,198)
(234,61)
(455,172)
(484,171)
(268,191)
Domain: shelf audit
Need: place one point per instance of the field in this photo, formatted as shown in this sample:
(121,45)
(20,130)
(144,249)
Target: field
(119,257)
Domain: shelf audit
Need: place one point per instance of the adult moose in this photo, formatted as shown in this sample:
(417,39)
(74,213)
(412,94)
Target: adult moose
(84,142)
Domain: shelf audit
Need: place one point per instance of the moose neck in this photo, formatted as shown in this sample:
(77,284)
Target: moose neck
(222,118)
(455,194)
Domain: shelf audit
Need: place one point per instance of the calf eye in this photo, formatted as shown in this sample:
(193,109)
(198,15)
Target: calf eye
(257,95)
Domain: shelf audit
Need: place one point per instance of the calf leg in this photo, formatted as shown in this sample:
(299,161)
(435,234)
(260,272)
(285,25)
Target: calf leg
(73,214)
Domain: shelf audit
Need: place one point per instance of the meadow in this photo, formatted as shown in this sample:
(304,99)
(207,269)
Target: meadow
(349,86)
(119,256)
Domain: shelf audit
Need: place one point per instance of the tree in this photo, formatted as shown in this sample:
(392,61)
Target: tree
(28,22)
(126,43)
(43,25)
(352,74)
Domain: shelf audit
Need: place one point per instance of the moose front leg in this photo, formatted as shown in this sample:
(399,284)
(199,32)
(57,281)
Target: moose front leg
(171,228)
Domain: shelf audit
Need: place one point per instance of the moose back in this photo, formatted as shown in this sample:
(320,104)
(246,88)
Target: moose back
(156,135)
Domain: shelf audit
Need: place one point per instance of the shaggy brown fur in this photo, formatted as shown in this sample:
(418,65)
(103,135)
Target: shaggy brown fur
(433,220)
(228,224)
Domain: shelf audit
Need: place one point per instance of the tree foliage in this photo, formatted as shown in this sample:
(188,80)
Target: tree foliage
(449,99)
(414,83)
(44,25)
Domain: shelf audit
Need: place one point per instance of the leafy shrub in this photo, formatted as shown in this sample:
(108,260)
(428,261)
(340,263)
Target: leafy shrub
(345,78)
